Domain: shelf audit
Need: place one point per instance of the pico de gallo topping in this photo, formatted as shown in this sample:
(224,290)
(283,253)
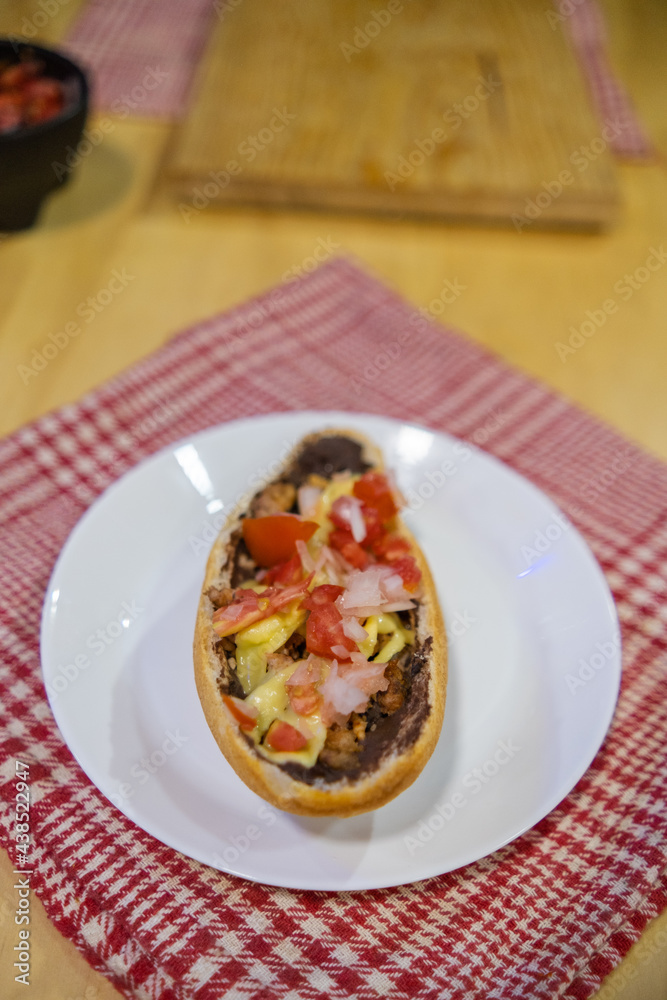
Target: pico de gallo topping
(330,582)
(27,95)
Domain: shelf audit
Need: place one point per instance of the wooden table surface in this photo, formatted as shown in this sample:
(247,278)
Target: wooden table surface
(519,294)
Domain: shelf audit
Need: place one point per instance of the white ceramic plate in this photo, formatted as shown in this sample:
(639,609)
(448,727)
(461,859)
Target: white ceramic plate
(533,675)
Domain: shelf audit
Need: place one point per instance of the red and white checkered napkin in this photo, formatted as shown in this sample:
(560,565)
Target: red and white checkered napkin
(142,54)
(584,24)
(548,915)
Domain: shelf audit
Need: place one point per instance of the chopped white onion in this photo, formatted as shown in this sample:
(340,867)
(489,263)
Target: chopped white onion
(340,697)
(348,509)
(354,630)
(393,587)
(365,674)
(308,498)
(307,560)
(337,567)
(307,672)
(377,587)
(321,559)
(357,523)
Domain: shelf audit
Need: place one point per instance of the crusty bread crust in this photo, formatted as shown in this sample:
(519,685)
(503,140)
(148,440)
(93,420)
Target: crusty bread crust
(348,796)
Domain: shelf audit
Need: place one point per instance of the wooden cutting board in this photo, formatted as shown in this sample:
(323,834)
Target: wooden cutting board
(467,110)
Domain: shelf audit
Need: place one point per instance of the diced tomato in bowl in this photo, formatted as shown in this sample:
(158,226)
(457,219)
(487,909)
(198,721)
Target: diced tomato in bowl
(43,109)
(34,96)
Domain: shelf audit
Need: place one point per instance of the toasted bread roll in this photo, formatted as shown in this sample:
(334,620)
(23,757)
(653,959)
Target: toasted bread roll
(319,650)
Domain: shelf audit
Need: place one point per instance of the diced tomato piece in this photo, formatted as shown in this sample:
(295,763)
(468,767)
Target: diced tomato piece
(304,698)
(284,573)
(14,77)
(374,489)
(374,526)
(11,100)
(324,629)
(339,537)
(41,111)
(410,572)
(27,98)
(327,593)
(11,113)
(282,736)
(272,539)
(342,540)
(43,98)
(246,715)
(44,88)
(391,547)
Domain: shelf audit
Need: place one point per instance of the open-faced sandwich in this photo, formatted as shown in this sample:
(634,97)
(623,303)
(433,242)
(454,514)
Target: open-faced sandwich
(320,651)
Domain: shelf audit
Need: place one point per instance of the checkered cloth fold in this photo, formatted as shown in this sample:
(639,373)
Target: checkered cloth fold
(584,25)
(142,55)
(548,915)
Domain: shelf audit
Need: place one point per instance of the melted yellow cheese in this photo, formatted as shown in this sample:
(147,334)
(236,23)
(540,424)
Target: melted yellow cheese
(336,488)
(270,698)
(367,646)
(259,588)
(272,702)
(391,648)
(312,749)
(386,624)
(255,643)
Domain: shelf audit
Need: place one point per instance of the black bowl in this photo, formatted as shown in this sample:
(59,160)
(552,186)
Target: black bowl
(33,160)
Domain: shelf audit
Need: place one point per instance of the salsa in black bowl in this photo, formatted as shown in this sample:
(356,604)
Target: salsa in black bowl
(43,108)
